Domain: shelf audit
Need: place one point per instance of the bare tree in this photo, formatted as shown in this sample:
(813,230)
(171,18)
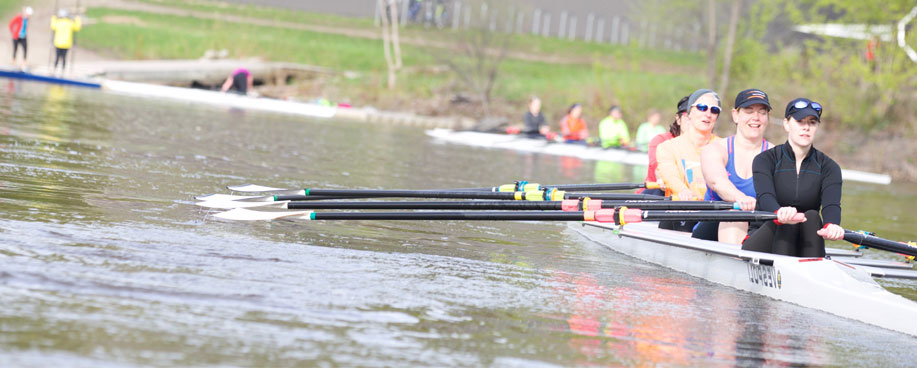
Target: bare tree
(730,42)
(477,53)
(711,42)
(390,38)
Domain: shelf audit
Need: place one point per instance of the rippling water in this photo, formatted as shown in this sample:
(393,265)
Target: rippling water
(104,261)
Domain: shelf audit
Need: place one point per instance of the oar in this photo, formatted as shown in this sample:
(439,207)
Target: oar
(565,205)
(519,186)
(603,215)
(875,242)
(545,195)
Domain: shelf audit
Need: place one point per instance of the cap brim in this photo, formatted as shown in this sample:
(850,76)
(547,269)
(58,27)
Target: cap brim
(801,114)
(748,103)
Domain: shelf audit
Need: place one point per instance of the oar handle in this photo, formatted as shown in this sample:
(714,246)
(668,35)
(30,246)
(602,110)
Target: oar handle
(875,242)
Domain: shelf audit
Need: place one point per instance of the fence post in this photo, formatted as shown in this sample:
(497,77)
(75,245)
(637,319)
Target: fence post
(562,26)
(377,15)
(625,32)
(571,35)
(520,20)
(600,31)
(615,29)
(589,20)
(456,14)
(546,25)
(536,20)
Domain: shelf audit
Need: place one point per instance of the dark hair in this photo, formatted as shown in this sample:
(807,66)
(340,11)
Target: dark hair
(613,108)
(675,128)
(573,106)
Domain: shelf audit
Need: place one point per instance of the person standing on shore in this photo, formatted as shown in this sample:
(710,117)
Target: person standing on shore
(726,165)
(18,29)
(63,28)
(648,130)
(613,130)
(240,81)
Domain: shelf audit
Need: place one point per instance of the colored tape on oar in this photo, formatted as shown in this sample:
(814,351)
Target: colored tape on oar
(860,246)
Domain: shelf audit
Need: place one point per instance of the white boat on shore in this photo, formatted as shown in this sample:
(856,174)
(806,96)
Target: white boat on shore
(542,146)
(834,284)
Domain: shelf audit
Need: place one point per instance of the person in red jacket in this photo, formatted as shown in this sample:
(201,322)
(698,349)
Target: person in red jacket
(18,29)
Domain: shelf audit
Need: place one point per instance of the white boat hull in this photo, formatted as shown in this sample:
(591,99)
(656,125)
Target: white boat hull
(823,284)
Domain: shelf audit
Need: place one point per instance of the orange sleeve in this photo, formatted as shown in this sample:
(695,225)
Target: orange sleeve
(668,167)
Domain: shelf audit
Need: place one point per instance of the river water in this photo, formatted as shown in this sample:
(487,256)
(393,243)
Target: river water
(106,262)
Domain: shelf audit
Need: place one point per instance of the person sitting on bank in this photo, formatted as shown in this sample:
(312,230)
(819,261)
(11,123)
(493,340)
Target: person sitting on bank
(648,130)
(63,28)
(19,30)
(572,127)
(534,123)
(726,165)
(613,130)
(240,81)
(793,178)
(653,164)
(679,158)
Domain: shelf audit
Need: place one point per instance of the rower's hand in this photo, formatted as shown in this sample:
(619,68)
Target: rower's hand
(787,216)
(746,203)
(686,195)
(831,232)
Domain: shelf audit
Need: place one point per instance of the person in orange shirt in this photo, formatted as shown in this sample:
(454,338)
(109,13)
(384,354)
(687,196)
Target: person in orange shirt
(679,158)
(572,127)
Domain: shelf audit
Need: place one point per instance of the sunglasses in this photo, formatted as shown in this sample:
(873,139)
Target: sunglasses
(703,108)
(803,104)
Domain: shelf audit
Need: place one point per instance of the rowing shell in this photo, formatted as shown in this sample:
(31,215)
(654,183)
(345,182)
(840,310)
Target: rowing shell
(523,144)
(824,284)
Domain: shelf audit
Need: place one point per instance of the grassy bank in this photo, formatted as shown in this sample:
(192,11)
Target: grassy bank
(596,75)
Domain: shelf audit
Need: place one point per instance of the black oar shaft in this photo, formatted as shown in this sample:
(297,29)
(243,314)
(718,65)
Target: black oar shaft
(706,215)
(368,193)
(465,216)
(505,205)
(879,243)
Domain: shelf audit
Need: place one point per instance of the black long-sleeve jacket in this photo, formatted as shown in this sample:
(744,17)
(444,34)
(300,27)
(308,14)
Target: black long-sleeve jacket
(817,186)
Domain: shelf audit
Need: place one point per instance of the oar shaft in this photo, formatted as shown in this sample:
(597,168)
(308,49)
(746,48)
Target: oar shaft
(465,216)
(567,205)
(879,243)
(636,215)
(536,196)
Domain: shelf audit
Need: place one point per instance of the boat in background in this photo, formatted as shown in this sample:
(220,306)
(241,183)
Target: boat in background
(833,284)
(543,146)
(18,74)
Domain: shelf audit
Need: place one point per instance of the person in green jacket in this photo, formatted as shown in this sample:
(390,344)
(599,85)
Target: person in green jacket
(648,130)
(613,130)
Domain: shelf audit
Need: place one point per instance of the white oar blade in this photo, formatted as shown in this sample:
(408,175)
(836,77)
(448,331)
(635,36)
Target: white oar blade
(222,197)
(242,214)
(252,188)
(226,205)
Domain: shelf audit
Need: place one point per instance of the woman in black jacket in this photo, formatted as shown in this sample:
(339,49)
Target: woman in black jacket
(793,179)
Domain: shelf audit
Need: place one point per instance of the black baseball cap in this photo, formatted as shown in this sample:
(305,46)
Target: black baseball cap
(682,105)
(802,107)
(752,96)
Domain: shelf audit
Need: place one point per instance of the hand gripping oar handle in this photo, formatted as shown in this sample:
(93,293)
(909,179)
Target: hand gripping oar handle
(875,242)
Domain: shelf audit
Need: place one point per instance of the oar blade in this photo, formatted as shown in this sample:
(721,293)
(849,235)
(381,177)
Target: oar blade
(223,197)
(253,188)
(227,205)
(242,214)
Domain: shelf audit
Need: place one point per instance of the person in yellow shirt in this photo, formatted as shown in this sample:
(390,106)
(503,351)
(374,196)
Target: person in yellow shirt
(679,158)
(63,28)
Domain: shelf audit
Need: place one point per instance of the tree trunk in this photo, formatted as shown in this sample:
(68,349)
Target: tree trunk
(386,39)
(396,44)
(711,42)
(730,41)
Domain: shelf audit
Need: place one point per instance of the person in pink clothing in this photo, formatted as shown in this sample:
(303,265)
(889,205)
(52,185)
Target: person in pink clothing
(674,131)
(240,81)
(19,30)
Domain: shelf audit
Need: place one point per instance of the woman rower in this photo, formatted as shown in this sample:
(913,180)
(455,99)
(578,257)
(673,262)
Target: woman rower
(572,127)
(795,177)
(679,158)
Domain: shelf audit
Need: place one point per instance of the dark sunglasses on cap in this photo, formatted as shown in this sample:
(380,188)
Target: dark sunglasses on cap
(713,109)
(803,104)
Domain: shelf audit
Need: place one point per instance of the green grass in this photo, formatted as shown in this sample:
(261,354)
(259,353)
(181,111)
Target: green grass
(8,9)
(607,75)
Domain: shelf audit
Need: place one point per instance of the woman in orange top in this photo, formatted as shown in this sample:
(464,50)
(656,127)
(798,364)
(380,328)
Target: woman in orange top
(679,158)
(572,127)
